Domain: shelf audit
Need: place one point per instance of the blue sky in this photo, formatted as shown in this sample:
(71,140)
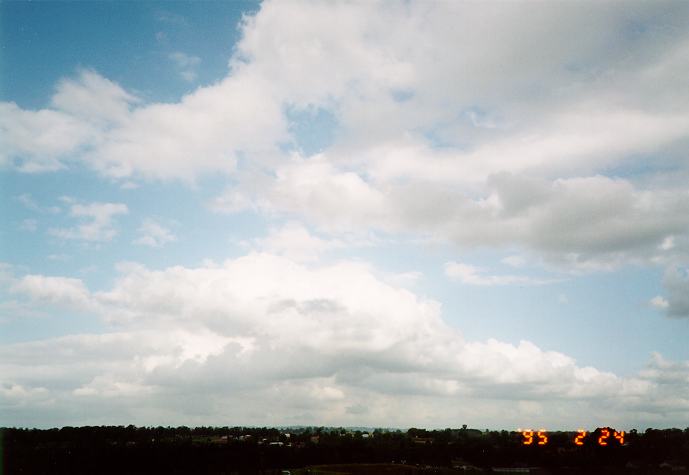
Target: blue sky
(296,210)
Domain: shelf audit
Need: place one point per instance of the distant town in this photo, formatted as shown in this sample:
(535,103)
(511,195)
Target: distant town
(335,451)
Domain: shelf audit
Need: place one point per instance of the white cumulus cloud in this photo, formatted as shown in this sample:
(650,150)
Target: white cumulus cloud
(330,337)
(97,222)
(154,234)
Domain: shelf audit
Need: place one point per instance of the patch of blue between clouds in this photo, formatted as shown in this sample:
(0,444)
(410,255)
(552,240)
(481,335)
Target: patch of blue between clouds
(557,316)
(51,322)
(457,131)
(560,316)
(313,128)
(648,164)
(127,42)
(182,209)
(402,95)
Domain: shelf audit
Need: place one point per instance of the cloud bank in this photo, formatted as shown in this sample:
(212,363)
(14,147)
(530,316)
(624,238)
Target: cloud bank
(226,341)
(440,123)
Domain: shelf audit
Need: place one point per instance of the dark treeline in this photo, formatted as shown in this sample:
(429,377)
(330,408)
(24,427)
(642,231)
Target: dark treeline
(225,450)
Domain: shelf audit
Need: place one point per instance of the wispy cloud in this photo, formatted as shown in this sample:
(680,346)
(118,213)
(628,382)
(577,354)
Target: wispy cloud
(29,225)
(171,18)
(676,283)
(514,261)
(471,275)
(31,204)
(187,65)
(97,222)
(154,234)
(659,302)
(54,289)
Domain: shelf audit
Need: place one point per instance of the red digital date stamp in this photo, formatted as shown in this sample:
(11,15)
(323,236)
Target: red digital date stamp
(602,436)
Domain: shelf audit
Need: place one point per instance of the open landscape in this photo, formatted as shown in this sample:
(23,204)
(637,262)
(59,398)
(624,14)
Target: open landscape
(344,237)
(335,451)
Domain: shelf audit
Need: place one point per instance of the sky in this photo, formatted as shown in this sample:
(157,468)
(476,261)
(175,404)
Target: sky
(383,214)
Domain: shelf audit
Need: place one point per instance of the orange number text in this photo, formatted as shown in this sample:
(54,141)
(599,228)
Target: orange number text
(619,436)
(604,435)
(579,439)
(528,437)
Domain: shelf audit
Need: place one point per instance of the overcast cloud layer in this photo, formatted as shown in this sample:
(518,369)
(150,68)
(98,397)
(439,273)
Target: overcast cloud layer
(555,132)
